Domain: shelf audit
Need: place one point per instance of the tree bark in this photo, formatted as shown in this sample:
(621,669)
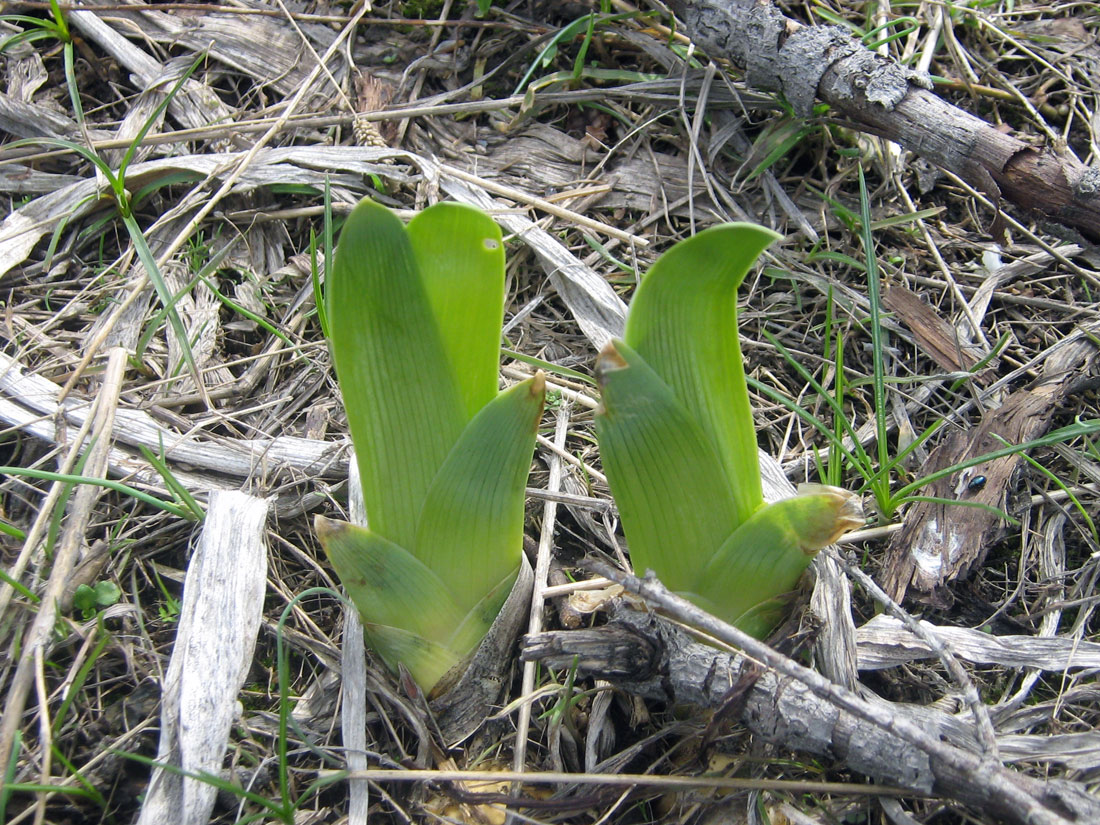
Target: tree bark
(877,95)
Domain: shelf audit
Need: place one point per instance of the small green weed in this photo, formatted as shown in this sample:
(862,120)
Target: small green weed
(124,202)
(878,471)
(90,599)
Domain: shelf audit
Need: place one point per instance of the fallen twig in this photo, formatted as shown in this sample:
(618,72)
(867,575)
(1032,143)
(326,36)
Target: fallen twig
(793,706)
(877,95)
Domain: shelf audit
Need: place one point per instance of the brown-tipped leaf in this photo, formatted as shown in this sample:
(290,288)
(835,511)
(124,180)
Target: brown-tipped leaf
(471,527)
(765,557)
(672,493)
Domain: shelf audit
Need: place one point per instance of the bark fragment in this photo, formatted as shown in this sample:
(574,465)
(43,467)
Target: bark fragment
(935,337)
(940,542)
(877,95)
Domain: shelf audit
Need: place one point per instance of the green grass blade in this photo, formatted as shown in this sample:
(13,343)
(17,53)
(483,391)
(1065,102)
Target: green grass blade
(47,28)
(106,483)
(37,29)
(314,267)
(460,253)
(158,319)
(766,555)
(69,59)
(549,51)
(145,255)
(974,505)
(858,456)
(672,492)
(35,788)
(60,21)
(94,794)
(1068,492)
(245,312)
(1079,428)
(19,587)
(173,484)
(83,151)
(147,124)
(815,422)
(683,323)
(81,677)
(884,471)
(879,340)
(404,409)
(156,184)
(471,529)
(546,366)
(318,291)
(201,776)
(160,286)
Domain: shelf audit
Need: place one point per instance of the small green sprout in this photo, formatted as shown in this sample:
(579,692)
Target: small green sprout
(679,447)
(414,316)
(88,599)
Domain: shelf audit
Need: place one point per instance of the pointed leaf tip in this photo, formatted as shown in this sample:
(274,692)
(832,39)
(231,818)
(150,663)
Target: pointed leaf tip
(325,528)
(470,530)
(845,514)
(609,360)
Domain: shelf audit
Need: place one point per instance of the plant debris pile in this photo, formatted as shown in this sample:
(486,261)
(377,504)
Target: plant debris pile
(175,175)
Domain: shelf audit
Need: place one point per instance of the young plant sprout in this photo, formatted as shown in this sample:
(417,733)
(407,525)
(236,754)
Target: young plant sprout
(415,323)
(679,448)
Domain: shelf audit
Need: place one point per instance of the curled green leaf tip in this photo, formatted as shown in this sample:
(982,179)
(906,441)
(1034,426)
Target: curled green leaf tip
(840,513)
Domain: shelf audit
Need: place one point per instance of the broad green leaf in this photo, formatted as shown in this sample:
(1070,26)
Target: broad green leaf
(766,556)
(482,615)
(387,583)
(672,493)
(759,620)
(460,253)
(404,408)
(425,659)
(471,528)
(406,610)
(683,322)
(414,316)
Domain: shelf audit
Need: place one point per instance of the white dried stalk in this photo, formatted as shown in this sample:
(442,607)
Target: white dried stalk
(219,619)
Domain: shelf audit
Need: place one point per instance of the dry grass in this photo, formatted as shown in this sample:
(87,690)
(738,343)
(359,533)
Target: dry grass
(633,164)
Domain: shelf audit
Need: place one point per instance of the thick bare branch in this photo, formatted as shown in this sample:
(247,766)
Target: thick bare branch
(879,96)
(900,745)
